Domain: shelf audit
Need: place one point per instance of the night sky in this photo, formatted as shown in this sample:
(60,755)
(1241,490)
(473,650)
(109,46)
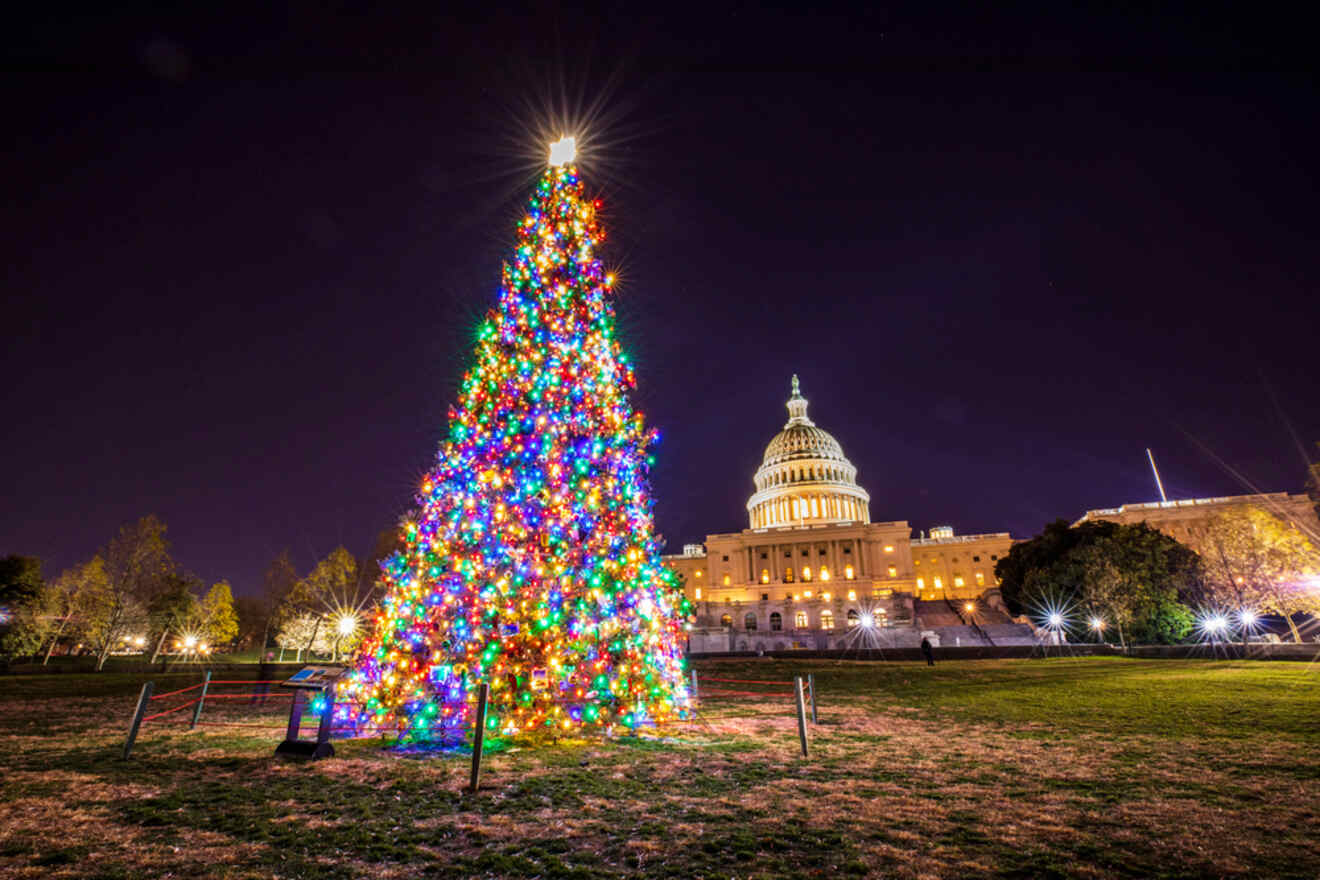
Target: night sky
(246,254)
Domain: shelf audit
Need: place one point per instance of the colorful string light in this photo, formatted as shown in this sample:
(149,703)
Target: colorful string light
(531,563)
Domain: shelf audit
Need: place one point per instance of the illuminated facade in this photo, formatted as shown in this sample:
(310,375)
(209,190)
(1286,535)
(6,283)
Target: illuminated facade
(812,564)
(1182,520)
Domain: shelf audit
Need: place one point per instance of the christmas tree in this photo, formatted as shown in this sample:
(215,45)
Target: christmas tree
(531,563)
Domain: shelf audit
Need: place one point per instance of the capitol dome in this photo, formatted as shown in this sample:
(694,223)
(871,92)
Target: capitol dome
(805,478)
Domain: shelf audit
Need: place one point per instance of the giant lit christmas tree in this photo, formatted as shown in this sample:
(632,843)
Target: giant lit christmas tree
(531,563)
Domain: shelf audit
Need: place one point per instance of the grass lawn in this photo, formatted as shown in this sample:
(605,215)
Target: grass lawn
(1097,767)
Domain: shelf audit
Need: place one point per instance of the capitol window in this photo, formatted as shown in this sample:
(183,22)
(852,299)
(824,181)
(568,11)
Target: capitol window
(893,571)
(848,572)
(958,580)
(726,580)
(788,575)
(726,620)
(776,621)
(749,622)
(980,579)
(800,620)
(889,548)
(921,583)
(765,575)
(806,572)
(853,619)
(698,592)
(824,573)
(827,620)
(852,595)
(939,584)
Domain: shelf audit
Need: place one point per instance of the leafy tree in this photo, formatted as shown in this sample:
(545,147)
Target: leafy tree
(173,609)
(21,589)
(1164,621)
(333,591)
(1132,576)
(137,567)
(69,604)
(1035,569)
(219,621)
(1135,577)
(1254,559)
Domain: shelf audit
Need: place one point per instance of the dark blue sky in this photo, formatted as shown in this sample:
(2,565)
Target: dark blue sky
(1005,252)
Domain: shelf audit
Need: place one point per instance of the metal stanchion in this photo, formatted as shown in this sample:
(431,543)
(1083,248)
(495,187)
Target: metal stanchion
(143,699)
(695,692)
(201,700)
(801,714)
(479,734)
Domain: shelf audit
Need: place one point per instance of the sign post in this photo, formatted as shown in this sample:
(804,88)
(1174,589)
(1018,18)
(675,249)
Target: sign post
(310,680)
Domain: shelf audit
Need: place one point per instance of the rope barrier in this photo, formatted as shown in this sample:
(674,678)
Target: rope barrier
(744,680)
(168,711)
(191,687)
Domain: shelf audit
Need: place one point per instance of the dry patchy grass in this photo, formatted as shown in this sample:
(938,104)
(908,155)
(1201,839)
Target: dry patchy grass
(1095,768)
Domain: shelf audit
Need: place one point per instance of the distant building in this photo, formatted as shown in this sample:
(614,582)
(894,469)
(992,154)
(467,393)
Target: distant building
(811,565)
(1181,520)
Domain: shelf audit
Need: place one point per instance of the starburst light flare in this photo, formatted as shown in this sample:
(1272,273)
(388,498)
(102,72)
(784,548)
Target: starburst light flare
(531,564)
(563,151)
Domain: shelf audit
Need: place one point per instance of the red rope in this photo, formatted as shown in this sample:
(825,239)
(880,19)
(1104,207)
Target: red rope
(702,678)
(179,691)
(168,711)
(715,693)
(246,696)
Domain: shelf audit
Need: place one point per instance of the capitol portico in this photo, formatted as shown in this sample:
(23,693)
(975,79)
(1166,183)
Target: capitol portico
(812,566)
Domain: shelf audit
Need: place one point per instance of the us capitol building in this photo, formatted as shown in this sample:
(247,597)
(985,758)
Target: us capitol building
(812,570)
